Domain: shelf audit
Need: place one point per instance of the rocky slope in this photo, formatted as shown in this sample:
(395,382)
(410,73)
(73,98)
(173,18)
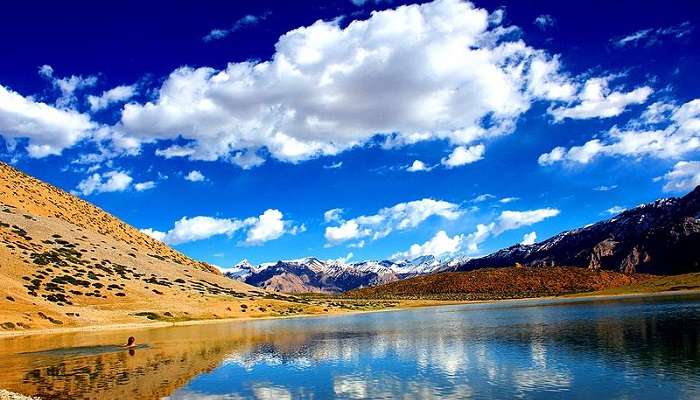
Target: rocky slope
(66,263)
(314,275)
(662,237)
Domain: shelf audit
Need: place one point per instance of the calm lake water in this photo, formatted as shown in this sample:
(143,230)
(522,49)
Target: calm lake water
(642,348)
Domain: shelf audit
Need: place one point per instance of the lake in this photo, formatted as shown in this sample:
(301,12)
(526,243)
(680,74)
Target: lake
(640,348)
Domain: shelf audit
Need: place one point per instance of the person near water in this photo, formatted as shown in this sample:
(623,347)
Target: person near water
(131,342)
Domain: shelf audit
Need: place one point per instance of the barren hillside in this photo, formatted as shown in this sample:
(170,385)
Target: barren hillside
(500,283)
(66,263)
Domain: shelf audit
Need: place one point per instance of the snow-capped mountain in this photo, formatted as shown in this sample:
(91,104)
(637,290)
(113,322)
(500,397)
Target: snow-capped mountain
(661,237)
(330,276)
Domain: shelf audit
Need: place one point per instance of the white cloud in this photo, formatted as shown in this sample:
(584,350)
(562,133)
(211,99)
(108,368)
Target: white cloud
(67,86)
(544,22)
(175,151)
(113,181)
(615,210)
(346,231)
(506,221)
(333,215)
(399,217)
(441,244)
(678,135)
(334,165)
(684,176)
(416,73)
(243,22)
(49,130)
(529,238)
(157,235)
(115,95)
(141,186)
(547,82)
(604,188)
(417,166)
(483,197)
(652,37)
(509,220)
(268,226)
(196,228)
(507,200)
(462,155)
(596,100)
(195,176)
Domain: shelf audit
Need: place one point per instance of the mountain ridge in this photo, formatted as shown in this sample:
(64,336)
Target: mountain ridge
(660,237)
(311,274)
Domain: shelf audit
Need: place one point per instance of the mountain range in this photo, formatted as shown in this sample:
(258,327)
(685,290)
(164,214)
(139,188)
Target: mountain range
(330,276)
(661,237)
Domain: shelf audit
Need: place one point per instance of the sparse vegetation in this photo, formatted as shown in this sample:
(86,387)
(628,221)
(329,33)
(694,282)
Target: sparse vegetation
(499,283)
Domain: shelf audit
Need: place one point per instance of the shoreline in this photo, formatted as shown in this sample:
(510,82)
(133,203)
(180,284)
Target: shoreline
(166,324)
(427,303)
(8,395)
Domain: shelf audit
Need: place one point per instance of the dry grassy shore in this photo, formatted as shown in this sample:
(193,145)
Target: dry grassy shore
(349,307)
(7,395)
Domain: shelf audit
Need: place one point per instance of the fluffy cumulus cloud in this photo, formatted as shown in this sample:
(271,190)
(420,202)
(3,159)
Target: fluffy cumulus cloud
(529,238)
(597,100)
(665,138)
(462,155)
(418,166)
(112,96)
(113,181)
(194,176)
(506,221)
(439,70)
(398,217)
(444,70)
(49,129)
(684,176)
(652,37)
(440,245)
(268,226)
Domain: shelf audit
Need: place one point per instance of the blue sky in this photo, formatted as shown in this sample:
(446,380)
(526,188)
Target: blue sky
(349,129)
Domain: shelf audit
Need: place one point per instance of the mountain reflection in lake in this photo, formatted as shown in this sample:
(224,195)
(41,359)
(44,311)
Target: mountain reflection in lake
(635,348)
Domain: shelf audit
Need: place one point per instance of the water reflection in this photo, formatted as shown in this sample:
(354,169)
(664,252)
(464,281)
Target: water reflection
(636,348)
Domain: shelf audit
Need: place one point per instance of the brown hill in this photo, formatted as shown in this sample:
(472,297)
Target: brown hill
(37,198)
(500,283)
(66,263)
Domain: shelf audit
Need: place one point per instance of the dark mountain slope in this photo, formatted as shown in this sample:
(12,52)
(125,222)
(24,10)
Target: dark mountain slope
(662,237)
